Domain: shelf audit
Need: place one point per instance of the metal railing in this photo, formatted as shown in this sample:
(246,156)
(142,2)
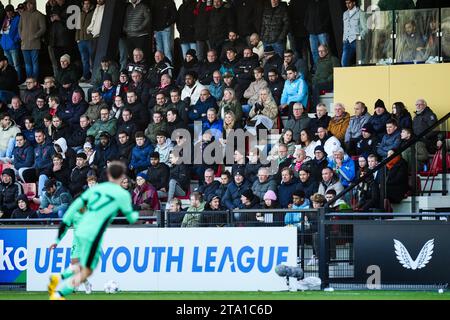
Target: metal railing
(382,165)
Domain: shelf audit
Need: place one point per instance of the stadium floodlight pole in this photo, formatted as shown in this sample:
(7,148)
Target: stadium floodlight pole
(388,159)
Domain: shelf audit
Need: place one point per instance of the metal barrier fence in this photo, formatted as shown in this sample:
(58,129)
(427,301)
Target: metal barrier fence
(385,251)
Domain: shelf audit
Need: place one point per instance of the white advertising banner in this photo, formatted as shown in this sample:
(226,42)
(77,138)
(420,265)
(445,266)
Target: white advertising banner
(157,259)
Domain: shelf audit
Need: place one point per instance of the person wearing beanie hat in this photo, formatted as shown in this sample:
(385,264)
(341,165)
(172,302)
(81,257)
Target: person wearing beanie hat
(190,63)
(248,201)
(270,200)
(107,90)
(145,196)
(379,104)
(65,70)
(379,118)
(315,165)
(65,57)
(191,52)
(367,144)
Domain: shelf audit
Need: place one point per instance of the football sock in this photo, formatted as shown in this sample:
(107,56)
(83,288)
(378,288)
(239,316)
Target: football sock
(67,288)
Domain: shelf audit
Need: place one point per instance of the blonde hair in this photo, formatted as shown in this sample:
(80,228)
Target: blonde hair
(231,125)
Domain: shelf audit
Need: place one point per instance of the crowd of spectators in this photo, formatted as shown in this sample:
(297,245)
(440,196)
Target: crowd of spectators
(236,74)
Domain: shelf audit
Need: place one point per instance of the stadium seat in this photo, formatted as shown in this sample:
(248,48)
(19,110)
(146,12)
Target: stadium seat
(4,166)
(30,190)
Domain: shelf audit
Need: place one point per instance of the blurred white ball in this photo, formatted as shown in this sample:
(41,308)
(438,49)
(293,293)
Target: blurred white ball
(111,287)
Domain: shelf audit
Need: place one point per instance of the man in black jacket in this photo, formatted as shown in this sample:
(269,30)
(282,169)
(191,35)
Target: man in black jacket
(138,110)
(210,186)
(207,68)
(79,133)
(162,66)
(8,80)
(247,15)
(243,71)
(321,119)
(233,41)
(158,175)
(219,24)
(125,146)
(127,123)
(276,85)
(272,61)
(317,23)
(179,179)
(137,26)
(297,31)
(275,26)
(9,191)
(78,175)
(164,15)
(202,13)
(423,119)
(186,26)
(31,92)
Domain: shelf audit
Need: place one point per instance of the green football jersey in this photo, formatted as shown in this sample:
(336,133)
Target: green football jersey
(103,203)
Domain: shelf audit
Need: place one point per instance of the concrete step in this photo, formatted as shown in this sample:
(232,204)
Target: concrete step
(437,183)
(422,202)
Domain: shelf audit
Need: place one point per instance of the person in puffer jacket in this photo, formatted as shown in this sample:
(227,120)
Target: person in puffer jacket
(8,131)
(9,191)
(379,118)
(275,25)
(232,197)
(164,147)
(343,166)
(295,89)
(391,140)
(140,155)
(54,201)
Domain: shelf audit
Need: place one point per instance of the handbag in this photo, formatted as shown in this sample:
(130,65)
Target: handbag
(436,166)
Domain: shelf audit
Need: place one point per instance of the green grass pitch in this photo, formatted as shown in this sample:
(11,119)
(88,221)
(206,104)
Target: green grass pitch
(308,295)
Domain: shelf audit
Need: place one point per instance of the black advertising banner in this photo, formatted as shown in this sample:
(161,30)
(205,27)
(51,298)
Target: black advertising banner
(406,252)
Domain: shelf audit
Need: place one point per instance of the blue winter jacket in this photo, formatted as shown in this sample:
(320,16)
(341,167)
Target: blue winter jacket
(29,136)
(295,91)
(216,128)
(232,197)
(140,156)
(389,142)
(285,191)
(378,123)
(201,108)
(11,40)
(23,157)
(72,112)
(295,218)
(346,172)
(43,156)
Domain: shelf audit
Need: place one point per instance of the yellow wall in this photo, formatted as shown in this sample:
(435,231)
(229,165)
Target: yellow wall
(404,83)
